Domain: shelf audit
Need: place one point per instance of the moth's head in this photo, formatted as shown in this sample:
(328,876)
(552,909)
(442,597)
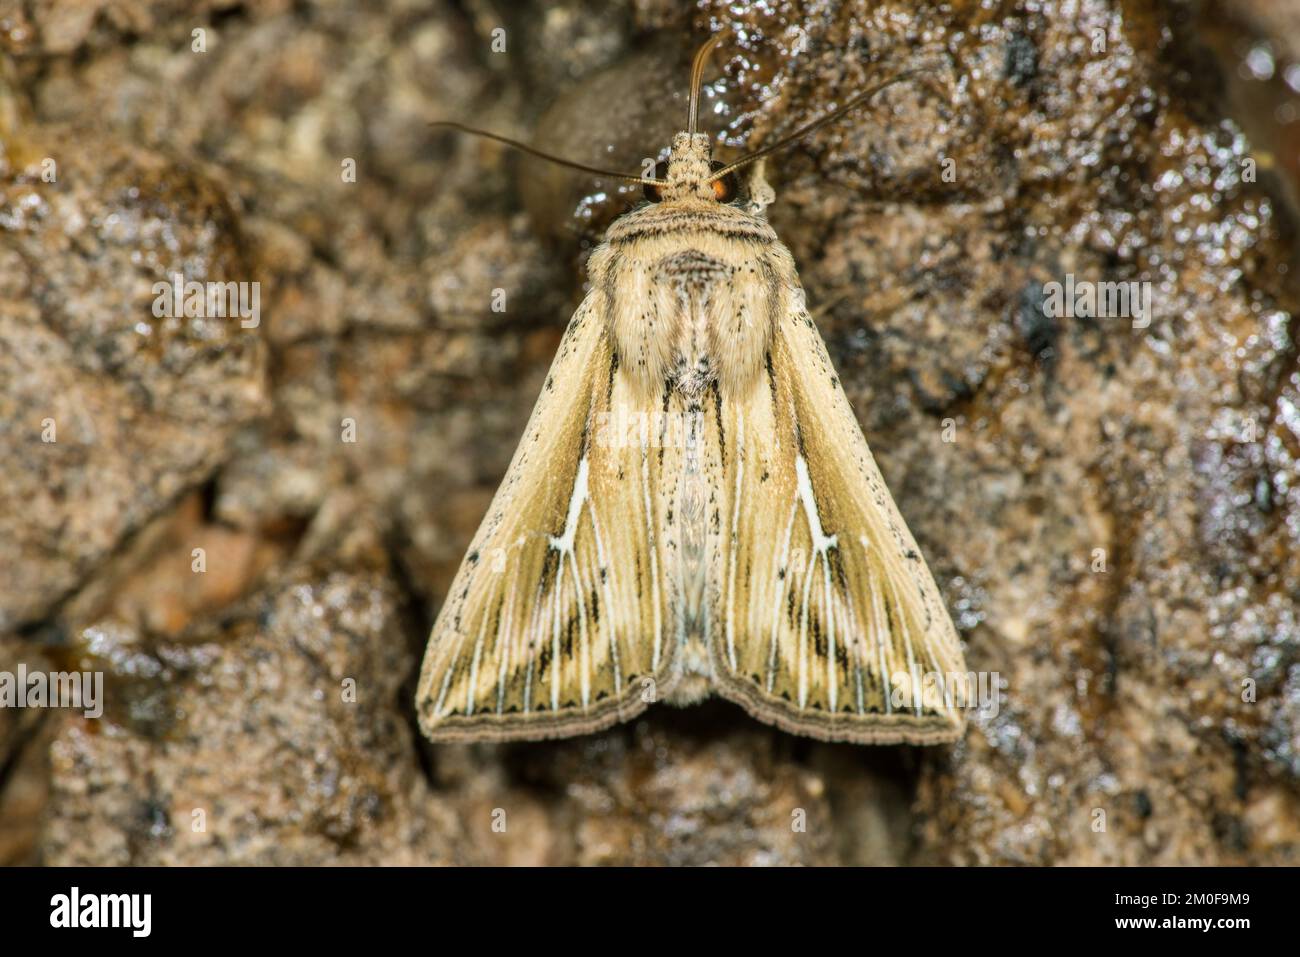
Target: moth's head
(690,172)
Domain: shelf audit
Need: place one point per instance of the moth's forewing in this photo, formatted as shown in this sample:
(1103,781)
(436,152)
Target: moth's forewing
(553,625)
(834,626)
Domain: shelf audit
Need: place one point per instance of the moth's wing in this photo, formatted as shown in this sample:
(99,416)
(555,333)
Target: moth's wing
(831,621)
(554,621)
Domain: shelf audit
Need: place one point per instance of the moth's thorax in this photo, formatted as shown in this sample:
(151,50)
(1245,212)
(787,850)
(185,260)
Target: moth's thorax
(692,291)
(688,168)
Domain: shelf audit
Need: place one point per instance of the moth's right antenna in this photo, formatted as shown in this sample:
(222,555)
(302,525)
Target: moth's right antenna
(697,75)
(550,158)
(831,117)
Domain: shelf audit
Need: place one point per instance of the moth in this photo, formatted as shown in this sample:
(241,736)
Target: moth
(693,508)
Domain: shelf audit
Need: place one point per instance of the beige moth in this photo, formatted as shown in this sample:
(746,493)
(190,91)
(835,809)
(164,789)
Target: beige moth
(693,509)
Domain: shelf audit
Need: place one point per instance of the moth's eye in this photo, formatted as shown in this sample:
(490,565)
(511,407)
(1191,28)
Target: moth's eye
(651,191)
(726,188)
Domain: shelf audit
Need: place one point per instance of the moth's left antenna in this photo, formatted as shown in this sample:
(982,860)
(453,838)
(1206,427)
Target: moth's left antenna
(697,75)
(549,157)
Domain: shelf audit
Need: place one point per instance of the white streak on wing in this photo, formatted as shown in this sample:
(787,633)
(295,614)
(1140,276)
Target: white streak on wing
(822,544)
(564,543)
(821,541)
